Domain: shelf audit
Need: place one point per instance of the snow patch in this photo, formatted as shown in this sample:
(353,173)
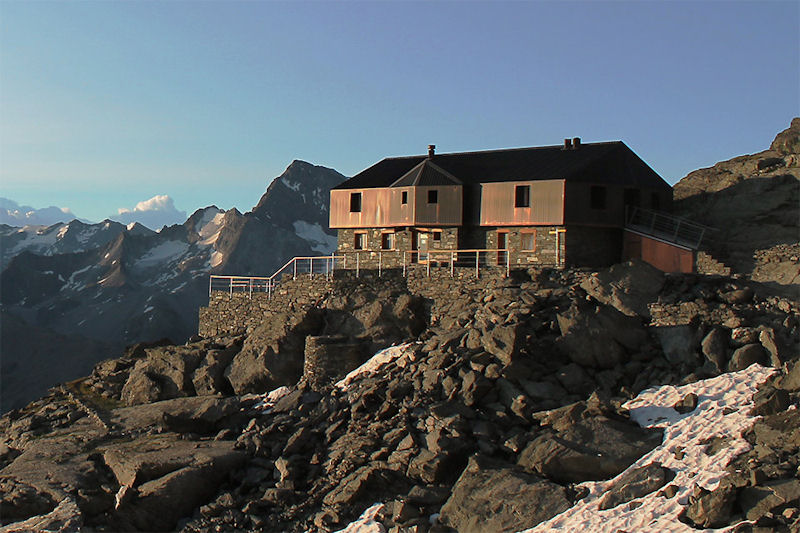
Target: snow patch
(89,232)
(216,259)
(293,185)
(162,253)
(723,408)
(63,231)
(383,357)
(315,236)
(269,399)
(367,522)
(210,227)
(71,283)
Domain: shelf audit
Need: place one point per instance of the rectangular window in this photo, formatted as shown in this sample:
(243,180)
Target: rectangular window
(433,197)
(597,197)
(654,201)
(355,202)
(528,241)
(387,241)
(404,197)
(360,242)
(522,196)
(437,236)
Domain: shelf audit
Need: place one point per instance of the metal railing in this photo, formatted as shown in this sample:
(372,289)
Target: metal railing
(297,266)
(381,260)
(669,228)
(358,260)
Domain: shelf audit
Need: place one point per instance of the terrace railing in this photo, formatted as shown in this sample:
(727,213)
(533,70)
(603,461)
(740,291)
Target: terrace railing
(358,260)
(321,265)
(669,228)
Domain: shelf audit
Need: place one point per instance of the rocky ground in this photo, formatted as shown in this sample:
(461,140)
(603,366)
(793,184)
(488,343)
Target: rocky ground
(761,238)
(495,410)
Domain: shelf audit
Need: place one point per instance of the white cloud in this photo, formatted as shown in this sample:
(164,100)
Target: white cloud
(155,213)
(13,214)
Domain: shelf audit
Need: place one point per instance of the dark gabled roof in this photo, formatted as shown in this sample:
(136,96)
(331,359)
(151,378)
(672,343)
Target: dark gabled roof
(604,162)
(426,173)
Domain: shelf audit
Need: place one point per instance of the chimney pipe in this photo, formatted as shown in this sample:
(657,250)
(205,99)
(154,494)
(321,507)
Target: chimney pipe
(431,149)
(576,143)
(567,144)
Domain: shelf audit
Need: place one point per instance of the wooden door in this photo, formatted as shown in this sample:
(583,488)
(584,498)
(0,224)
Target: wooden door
(502,243)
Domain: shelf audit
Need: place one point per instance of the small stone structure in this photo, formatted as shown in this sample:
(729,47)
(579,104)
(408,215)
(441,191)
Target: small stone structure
(327,356)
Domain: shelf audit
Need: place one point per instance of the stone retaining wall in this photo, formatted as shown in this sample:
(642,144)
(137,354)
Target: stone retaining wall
(237,313)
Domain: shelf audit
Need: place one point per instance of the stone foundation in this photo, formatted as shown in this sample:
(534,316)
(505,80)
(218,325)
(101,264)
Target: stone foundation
(329,358)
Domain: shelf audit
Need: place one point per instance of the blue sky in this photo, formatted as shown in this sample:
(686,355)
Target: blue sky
(104,105)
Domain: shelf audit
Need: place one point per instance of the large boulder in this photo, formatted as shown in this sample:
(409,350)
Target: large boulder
(582,449)
(168,478)
(634,484)
(495,496)
(197,414)
(679,343)
(746,356)
(711,509)
(273,353)
(628,287)
(599,337)
(209,378)
(164,373)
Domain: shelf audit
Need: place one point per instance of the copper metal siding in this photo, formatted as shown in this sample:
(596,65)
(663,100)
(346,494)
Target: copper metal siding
(382,207)
(446,212)
(547,201)
(661,255)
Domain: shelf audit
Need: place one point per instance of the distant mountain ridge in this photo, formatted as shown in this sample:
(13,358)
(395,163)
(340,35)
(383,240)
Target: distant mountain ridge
(13,214)
(117,284)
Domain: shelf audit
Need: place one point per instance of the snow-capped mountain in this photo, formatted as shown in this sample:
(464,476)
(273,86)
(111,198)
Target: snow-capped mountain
(120,285)
(60,238)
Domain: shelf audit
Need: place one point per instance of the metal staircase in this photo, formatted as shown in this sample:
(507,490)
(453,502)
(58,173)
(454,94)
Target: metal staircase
(667,228)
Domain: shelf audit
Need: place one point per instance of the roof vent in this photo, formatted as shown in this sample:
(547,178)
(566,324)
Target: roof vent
(567,144)
(576,143)
(431,149)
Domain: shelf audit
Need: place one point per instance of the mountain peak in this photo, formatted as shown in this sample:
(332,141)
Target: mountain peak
(301,188)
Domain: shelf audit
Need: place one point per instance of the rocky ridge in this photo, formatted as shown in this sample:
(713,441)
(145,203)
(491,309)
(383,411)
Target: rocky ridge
(495,396)
(759,239)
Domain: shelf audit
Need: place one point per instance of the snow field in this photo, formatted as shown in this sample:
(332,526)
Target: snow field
(723,408)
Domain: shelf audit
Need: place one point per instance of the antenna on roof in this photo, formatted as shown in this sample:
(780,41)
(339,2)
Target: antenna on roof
(431,149)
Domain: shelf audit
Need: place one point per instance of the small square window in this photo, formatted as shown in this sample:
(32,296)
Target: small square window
(387,241)
(528,241)
(404,197)
(597,197)
(522,196)
(360,241)
(355,202)
(437,236)
(433,197)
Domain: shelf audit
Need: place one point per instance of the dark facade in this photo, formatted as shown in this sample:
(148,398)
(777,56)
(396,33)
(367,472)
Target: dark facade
(551,206)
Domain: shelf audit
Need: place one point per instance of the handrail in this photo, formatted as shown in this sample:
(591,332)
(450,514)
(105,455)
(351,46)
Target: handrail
(327,264)
(670,228)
